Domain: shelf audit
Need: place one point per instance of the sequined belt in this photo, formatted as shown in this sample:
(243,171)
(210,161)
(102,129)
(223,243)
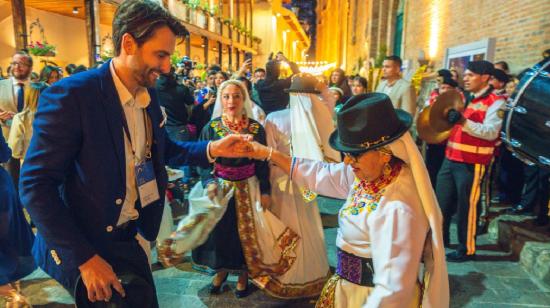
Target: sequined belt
(232,173)
(355,269)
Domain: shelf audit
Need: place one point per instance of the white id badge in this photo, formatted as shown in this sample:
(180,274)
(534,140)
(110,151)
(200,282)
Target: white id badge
(146,182)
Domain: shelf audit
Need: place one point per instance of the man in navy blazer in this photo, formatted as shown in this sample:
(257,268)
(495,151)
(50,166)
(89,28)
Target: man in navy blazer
(74,179)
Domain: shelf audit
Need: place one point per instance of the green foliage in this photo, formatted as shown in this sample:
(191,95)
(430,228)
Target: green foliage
(175,58)
(382,52)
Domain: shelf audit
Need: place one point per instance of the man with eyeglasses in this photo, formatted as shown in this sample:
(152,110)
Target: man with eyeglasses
(12,89)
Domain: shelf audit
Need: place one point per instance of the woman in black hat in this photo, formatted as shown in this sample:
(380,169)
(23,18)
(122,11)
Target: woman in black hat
(390,223)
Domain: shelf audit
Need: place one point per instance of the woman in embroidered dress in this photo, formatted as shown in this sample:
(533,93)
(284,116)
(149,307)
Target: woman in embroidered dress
(390,223)
(228,209)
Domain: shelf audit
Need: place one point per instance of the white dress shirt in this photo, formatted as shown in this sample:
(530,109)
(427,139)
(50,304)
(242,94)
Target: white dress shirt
(134,111)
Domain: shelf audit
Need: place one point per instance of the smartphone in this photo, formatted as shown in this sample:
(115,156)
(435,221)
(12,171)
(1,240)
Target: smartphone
(247,55)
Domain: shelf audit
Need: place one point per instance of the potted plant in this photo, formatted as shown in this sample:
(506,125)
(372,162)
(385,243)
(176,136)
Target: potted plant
(41,49)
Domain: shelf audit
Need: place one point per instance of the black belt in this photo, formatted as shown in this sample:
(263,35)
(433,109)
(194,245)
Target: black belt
(355,269)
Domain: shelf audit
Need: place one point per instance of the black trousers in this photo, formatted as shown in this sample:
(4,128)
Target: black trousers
(435,154)
(510,176)
(458,191)
(128,259)
(536,190)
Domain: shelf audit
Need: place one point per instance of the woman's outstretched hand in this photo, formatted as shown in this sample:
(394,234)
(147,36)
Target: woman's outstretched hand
(258,151)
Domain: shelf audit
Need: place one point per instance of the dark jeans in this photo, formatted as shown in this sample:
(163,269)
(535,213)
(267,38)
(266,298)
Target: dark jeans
(458,191)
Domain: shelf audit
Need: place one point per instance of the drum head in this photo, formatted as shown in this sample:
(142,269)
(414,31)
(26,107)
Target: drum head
(527,122)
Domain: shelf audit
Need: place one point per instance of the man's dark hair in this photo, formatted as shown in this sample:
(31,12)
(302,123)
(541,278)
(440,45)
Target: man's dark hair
(25,54)
(395,59)
(140,19)
(504,65)
(259,69)
(214,67)
(70,68)
(546,54)
(246,83)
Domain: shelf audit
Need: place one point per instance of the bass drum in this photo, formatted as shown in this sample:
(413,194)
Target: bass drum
(526,127)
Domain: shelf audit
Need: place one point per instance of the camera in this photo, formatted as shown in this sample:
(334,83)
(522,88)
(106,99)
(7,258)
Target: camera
(186,63)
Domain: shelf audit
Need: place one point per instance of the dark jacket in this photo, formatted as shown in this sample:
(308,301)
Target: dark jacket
(73,181)
(271,89)
(174,98)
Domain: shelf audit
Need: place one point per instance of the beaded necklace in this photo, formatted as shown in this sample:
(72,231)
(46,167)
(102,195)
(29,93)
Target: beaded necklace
(235,127)
(366,195)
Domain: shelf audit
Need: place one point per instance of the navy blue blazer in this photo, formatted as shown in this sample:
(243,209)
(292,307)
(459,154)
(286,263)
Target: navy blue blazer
(73,180)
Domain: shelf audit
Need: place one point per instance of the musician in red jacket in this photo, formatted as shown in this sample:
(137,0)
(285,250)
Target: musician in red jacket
(469,150)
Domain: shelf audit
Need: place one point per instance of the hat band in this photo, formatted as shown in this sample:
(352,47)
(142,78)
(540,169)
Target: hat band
(366,144)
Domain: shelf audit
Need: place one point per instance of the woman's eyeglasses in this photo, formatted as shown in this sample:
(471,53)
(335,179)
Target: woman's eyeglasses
(354,157)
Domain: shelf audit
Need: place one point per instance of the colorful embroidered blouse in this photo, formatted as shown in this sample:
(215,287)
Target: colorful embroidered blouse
(366,195)
(235,168)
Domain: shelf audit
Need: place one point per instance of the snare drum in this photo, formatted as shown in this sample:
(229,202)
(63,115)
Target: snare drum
(526,127)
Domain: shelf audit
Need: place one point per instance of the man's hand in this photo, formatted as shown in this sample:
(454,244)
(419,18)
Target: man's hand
(231,146)
(211,100)
(281,57)
(266,202)
(6,115)
(98,277)
(455,117)
(247,64)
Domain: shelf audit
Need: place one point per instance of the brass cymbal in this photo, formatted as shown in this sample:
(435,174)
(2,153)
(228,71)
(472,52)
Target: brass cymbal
(425,130)
(443,103)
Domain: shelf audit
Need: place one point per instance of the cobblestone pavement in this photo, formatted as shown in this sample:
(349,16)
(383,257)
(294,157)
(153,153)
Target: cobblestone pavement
(493,280)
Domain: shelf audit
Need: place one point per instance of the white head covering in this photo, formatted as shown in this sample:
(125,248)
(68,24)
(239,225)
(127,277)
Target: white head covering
(248,107)
(436,280)
(311,126)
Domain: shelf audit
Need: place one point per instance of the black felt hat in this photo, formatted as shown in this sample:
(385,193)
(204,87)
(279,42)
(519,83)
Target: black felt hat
(139,293)
(445,73)
(368,121)
(481,67)
(303,83)
(501,76)
(449,81)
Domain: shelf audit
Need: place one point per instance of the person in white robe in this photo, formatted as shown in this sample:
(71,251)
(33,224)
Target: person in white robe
(302,131)
(390,244)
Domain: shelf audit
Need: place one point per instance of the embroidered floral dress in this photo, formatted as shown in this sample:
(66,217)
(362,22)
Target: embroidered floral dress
(382,222)
(246,237)
(223,250)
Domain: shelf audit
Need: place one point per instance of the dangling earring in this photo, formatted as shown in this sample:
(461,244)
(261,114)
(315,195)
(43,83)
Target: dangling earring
(387,169)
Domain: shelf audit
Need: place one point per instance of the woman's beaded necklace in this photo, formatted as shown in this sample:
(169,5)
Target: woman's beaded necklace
(366,195)
(235,127)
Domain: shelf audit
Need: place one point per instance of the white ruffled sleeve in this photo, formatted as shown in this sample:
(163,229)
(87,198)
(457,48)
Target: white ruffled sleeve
(328,179)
